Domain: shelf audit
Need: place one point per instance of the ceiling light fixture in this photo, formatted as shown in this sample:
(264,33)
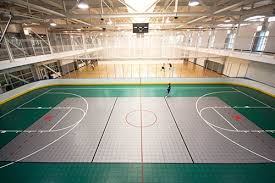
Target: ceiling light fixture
(227,20)
(52,24)
(259,28)
(140,6)
(271,19)
(255,18)
(193,3)
(82,4)
(26,31)
(110,22)
(226,25)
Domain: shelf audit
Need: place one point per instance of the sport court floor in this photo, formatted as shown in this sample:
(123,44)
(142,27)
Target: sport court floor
(131,133)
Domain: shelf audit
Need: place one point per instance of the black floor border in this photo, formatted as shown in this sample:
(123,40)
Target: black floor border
(104,129)
(179,130)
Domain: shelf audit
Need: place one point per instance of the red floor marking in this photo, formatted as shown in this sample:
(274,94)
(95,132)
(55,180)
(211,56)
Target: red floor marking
(48,118)
(237,117)
(141,143)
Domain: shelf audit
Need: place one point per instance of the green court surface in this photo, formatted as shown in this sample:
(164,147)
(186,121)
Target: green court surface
(262,115)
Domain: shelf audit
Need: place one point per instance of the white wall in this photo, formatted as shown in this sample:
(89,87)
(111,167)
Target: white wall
(270,43)
(65,62)
(204,40)
(245,37)
(262,72)
(234,67)
(220,60)
(195,36)
(152,45)
(200,61)
(220,37)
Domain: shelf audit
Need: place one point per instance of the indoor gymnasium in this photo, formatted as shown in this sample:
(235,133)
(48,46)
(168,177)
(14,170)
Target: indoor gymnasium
(137,91)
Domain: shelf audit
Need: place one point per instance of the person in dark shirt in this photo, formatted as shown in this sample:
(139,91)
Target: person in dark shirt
(168,90)
(163,67)
(170,66)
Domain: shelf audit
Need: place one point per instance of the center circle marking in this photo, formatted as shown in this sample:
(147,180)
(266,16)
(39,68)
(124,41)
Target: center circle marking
(149,118)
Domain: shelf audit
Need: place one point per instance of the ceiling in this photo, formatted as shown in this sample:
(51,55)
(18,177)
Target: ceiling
(117,15)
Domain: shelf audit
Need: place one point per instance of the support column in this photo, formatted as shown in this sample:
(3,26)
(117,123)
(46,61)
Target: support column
(48,39)
(237,33)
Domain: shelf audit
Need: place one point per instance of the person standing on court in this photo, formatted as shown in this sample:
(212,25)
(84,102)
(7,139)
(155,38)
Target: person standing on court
(163,67)
(170,66)
(168,90)
(93,66)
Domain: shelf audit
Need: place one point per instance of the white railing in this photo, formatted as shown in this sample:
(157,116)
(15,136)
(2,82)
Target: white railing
(260,45)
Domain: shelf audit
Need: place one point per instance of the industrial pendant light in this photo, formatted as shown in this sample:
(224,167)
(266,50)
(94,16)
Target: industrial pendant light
(82,4)
(193,3)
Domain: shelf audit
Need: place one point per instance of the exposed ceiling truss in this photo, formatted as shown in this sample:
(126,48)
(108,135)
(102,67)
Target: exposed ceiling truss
(113,14)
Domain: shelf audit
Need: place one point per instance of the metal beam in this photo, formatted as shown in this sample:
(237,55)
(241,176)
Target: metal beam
(74,26)
(52,70)
(152,5)
(127,5)
(5,30)
(176,6)
(40,37)
(144,15)
(20,79)
(20,14)
(20,49)
(110,3)
(108,6)
(217,12)
(40,8)
(7,46)
(101,6)
(35,7)
(52,3)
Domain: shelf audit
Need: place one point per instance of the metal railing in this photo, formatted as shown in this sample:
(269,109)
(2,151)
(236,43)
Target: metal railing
(22,48)
(260,45)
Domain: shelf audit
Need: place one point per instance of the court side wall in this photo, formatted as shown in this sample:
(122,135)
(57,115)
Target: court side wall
(237,81)
(235,67)
(261,72)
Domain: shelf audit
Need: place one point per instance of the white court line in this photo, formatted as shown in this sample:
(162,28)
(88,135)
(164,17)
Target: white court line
(253,98)
(43,131)
(61,119)
(230,130)
(121,88)
(25,103)
(86,110)
(43,108)
(240,107)
(225,119)
(209,124)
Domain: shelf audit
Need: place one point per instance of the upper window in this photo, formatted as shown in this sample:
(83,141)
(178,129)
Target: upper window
(260,40)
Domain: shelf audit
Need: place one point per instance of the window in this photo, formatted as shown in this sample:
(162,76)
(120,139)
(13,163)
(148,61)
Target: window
(260,40)
(211,39)
(229,41)
(199,39)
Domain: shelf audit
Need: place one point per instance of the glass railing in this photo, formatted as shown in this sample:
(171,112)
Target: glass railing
(85,69)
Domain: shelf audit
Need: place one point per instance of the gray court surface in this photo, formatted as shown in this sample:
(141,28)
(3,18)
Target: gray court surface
(162,142)
(208,146)
(172,132)
(78,145)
